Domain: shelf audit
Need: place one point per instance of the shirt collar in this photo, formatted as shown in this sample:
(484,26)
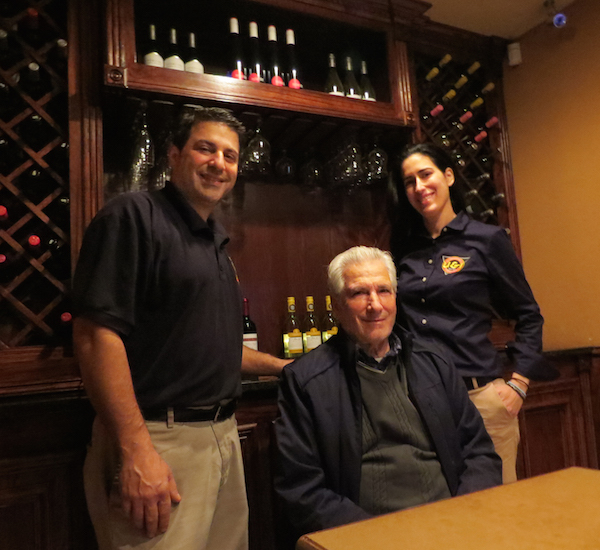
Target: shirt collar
(191,218)
(457,225)
(390,356)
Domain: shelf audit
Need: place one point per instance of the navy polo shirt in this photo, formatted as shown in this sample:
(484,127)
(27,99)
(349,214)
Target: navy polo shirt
(155,272)
(451,288)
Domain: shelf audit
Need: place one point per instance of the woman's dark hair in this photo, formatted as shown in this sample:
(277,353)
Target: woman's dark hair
(407,220)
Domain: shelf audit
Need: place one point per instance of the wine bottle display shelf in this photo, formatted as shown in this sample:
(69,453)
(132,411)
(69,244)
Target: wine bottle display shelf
(35,266)
(456,108)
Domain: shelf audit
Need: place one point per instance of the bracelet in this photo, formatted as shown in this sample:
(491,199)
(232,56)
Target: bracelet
(521,380)
(521,393)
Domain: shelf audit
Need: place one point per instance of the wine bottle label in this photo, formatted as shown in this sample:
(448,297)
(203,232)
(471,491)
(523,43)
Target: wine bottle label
(154,59)
(254,77)
(295,84)
(368,97)
(194,66)
(336,92)
(294,342)
(277,81)
(251,340)
(353,95)
(174,62)
(239,74)
(313,340)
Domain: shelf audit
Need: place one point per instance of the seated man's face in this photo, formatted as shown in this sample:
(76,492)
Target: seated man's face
(366,309)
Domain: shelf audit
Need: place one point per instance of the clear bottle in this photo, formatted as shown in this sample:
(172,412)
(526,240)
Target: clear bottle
(238,67)
(333,84)
(350,83)
(292,335)
(192,63)
(256,68)
(330,327)
(172,57)
(250,333)
(152,56)
(311,334)
(292,73)
(143,154)
(32,83)
(368,92)
(274,73)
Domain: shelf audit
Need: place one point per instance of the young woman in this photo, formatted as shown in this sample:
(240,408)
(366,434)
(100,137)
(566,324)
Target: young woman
(454,276)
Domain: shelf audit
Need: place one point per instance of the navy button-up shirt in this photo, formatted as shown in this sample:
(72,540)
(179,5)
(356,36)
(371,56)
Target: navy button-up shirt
(451,288)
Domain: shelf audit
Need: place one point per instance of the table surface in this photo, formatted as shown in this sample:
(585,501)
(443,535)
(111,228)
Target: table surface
(555,511)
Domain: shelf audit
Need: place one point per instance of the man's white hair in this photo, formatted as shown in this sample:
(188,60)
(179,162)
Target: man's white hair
(357,255)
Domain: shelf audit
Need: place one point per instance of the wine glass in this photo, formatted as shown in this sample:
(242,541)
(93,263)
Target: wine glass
(285,168)
(256,157)
(376,165)
(143,152)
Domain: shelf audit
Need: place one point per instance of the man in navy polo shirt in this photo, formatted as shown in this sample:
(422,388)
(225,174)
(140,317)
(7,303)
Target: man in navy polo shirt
(158,333)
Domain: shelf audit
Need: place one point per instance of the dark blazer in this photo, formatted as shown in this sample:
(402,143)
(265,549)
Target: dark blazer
(319,435)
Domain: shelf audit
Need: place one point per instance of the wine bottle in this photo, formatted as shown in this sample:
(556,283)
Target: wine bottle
(58,57)
(143,154)
(274,73)
(152,56)
(293,80)
(36,184)
(238,67)
(311,335)
(368,92)
(435,71)
(330,327)
(9,52)
(11,156)
(172,58)
(256,67)
(32,83)
(250,334)
(351,86)
(36,132)
(192,63)
(30,28)
(333,84)
(11,102)
(292,336)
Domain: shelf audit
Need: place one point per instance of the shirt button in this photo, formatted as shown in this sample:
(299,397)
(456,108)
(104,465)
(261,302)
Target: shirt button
(424,279)
(430,261)
(422,300)
(423,321)
(444,230)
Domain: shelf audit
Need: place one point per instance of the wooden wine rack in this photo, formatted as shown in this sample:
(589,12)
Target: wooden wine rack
(34,180)
(477,164)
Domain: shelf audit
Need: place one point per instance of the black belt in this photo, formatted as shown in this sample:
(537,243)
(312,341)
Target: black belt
(481,381)
(191,414)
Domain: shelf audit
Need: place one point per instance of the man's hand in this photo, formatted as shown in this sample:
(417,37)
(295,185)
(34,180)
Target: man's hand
(511,399)
(148,490)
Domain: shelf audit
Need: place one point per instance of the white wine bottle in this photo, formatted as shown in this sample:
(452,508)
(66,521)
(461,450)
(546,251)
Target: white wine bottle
(192,63)
(368,92)
(333,84)
(329,327)
(311,335)
(292,336)
(350,83)
(172,58)
(152,56)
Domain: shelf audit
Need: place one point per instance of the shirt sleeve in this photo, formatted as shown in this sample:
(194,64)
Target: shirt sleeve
(112,268)
(513,298)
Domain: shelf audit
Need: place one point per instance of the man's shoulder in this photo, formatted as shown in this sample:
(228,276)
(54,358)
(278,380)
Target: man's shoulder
(319,362)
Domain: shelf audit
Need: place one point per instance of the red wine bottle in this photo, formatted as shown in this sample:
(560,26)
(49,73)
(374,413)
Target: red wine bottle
(238,67)
(274,75)
(293,80)
(256,66)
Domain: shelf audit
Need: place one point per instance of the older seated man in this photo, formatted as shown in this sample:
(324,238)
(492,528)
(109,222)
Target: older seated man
(373,421)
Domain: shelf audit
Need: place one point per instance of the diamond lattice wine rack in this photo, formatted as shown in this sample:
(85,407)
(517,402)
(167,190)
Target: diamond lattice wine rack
(457,103)
(34,174)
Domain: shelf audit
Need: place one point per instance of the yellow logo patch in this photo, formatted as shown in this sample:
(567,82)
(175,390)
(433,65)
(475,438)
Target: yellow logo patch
(453,264)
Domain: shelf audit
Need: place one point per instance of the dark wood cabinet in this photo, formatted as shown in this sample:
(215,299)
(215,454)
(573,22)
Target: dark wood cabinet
(282,237)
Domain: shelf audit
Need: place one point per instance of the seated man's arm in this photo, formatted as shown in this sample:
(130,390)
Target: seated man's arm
(301,480)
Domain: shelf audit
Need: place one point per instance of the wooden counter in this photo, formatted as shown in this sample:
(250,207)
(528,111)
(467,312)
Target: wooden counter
(559,510)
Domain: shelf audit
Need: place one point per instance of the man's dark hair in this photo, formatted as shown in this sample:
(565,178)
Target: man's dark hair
(190,115)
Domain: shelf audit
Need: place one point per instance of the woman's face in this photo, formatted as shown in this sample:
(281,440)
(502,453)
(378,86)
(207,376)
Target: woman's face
(427,187)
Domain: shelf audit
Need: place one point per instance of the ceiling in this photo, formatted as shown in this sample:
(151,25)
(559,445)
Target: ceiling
(508,19)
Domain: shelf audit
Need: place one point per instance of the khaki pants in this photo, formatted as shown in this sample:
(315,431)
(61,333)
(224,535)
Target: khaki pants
(501,425)
(206,461)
